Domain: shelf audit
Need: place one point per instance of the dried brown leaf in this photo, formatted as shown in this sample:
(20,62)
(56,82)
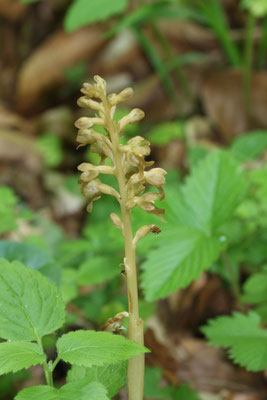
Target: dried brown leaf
(17,148)
(46,66)
(12,9)
(224,102)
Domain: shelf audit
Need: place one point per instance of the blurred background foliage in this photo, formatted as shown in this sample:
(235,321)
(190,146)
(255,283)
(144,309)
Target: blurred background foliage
(198,69)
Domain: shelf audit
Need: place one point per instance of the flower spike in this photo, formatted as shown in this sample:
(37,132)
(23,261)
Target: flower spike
(129,166)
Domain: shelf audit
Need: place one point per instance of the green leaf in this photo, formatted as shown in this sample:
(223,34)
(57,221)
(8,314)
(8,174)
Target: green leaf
(69,286)
(243,335)
(112,376)
(8,382)
(81,390)
(195,154)
(154,11)
(214,189)
(255,289)
(49,145)
(249,146)
(164,133)
(8,202)
(215,15)
(31,256)
(152,388)
(15,356)
(183,392)
(258,8)
(157,62)
(28,254)
(88,348)
(184,253)
(97,270)
(30,305)
(84,12)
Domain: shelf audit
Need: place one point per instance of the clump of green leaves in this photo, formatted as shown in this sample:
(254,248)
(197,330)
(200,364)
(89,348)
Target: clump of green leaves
(31,307)
(193,238)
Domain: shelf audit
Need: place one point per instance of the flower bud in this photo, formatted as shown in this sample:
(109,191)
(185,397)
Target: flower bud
(91,189)
(134,116)
(115,99)
(87,122)
(88,176)
(86,136)
(106,189)
(155,177)
(136,146)
(91,171)
(85,102)
(85,167)
(116,221)
(125,94)
(115,324)
(100,83)
(90,91)
(143,231)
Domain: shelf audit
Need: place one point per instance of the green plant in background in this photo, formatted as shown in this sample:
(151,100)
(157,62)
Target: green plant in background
(8,204)
(129,169)
(240,333)
(215,17)
(256,9)
(193,238)
(82,12)
(153,389)
(31,307)
(209,12)
(243,336)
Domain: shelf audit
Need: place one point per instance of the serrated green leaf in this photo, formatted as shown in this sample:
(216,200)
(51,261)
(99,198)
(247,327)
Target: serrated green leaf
(30,305)
(250,145)
(195,154)
(214,189)
(15,356)
(81,390)
(112,376)
(84,12)
(97,270)
(184,253)
(88,348)
(243,335)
